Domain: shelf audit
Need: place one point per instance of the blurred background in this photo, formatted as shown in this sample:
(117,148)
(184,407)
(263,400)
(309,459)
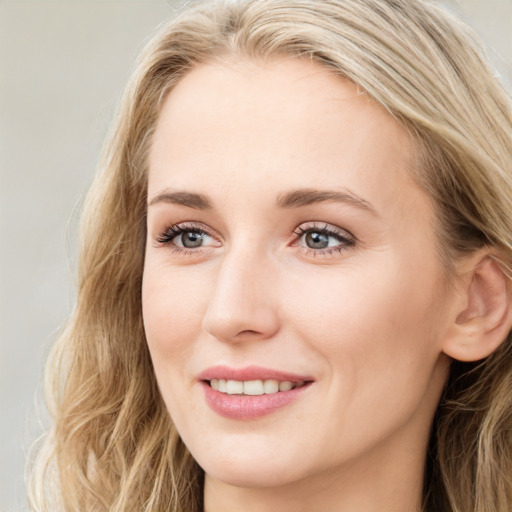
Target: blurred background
(63,64)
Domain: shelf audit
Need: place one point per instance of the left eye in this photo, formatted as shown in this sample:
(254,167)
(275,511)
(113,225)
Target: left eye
(323,238)
(316,240)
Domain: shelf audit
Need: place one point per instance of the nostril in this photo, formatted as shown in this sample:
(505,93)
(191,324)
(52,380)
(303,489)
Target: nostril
(248,332)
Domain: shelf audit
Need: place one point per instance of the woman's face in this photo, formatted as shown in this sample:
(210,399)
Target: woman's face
(288,246)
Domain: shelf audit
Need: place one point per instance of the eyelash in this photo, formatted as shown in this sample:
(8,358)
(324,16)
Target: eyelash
(167,237)
(346,240)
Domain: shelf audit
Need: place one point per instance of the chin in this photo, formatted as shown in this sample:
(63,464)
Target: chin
(251,470)
(253,477)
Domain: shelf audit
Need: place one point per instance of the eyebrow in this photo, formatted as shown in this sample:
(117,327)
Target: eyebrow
(305,197)
(293,199)
(190,199)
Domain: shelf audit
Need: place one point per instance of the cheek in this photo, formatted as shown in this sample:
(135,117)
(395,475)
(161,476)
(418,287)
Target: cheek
(375,334)
(360,304)
(378,327)
(173,304)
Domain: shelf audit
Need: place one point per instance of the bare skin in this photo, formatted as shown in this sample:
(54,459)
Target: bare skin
(366,316)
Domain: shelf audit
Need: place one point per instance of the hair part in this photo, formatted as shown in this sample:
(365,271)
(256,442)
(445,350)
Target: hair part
(113,446)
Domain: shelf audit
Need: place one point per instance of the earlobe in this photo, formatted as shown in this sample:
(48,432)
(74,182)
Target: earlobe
(485,317)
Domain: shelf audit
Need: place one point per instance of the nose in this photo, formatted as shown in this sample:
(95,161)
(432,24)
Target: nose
(242,306)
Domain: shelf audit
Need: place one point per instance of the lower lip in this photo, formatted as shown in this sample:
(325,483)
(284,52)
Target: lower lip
(249,407)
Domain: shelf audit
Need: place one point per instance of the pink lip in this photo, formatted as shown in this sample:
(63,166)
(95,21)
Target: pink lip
(250,373)
(245,407)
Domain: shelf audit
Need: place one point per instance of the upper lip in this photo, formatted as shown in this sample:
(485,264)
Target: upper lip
(250,373)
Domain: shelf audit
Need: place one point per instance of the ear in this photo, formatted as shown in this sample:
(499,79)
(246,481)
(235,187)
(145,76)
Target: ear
(483,317)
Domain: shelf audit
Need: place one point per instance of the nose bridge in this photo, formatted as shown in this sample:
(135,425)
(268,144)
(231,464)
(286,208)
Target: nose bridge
(241,305)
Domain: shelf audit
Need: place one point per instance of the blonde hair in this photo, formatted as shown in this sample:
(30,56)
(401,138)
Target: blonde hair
(112,446)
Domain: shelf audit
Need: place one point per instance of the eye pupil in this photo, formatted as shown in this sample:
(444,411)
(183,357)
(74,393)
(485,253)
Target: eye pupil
(316,240)
(190,239)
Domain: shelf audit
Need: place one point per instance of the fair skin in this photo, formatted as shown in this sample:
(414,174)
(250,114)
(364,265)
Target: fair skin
(347,290)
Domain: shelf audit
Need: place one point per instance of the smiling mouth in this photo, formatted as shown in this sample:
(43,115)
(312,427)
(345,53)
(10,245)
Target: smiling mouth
(253,387)
(252,392)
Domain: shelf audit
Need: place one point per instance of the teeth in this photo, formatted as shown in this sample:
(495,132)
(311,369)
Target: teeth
(234,387)
(253,387)
(285,386)
(270,386)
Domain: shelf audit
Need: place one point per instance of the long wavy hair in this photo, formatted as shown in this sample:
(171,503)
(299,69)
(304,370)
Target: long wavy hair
(112,445)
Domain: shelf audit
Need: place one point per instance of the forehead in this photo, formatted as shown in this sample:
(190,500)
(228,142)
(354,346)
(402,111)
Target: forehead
(277,122)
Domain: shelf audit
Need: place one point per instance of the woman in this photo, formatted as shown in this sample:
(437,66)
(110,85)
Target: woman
(294,285)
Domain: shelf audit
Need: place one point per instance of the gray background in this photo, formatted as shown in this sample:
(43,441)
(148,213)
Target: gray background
(62,67)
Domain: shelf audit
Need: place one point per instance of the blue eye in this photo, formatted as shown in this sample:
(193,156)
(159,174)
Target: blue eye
(321,238)
(185,237)
(190,239)
(317,240)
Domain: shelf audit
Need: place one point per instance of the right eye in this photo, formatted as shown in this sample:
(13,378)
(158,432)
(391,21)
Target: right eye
(190,239)
(185,237)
